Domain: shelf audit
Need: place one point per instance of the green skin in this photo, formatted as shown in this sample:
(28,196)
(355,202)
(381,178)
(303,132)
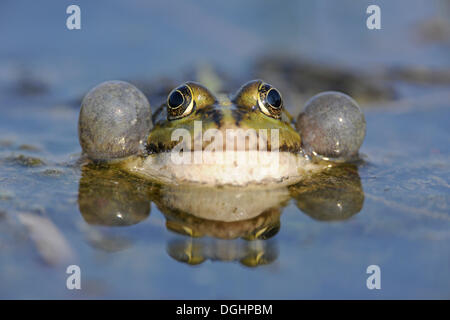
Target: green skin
(239,113)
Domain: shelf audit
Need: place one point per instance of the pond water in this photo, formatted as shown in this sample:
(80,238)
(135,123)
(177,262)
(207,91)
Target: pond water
(131,238)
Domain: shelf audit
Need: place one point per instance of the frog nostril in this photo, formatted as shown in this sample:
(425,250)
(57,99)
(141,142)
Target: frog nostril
(176,99)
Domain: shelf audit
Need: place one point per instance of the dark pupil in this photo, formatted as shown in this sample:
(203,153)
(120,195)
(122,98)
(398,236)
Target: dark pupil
(175,99)
(274,98)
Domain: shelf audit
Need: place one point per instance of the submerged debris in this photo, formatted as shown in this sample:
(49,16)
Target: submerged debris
(28,147)
(26,161)
(52,172)
(304,78)
(50,243)
(4,143)
(6,195)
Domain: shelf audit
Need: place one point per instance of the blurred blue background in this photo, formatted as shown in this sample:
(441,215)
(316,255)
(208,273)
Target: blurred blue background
(148,39)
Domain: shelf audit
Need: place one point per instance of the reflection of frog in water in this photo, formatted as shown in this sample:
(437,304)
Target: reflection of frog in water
(226,224)
(196,251)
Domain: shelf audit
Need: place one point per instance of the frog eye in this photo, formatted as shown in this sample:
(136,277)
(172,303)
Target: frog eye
(269,100)
(179,103)
(176,99)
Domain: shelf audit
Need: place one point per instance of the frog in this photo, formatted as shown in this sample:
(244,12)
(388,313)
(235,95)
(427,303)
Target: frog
(215,139)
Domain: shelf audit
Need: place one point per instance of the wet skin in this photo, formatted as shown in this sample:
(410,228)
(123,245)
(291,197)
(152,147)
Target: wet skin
(255,114)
